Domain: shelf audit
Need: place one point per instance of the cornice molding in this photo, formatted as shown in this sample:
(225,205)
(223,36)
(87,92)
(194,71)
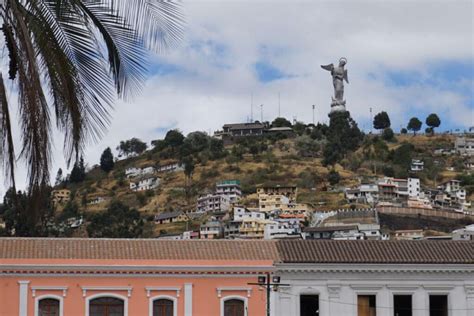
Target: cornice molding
(233,289)
(49,289)
(150,289)
(128,289)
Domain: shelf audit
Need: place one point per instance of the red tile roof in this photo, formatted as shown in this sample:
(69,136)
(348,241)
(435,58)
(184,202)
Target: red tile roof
(138,249)
(376,251)
(289,251)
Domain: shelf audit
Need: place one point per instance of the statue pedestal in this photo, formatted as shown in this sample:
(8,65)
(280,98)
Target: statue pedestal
(338,106)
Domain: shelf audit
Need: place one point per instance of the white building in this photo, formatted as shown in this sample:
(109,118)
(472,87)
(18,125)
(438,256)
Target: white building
(138,172)
(213,203)
(417,165)
(229,188)
(171,167)
(145,184)
(241,213)
(283,228)
(414,187)
(466,233)
(212,229)
(464,146)
(367,278)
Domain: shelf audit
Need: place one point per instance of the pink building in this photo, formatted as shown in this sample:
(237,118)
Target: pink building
(106,277)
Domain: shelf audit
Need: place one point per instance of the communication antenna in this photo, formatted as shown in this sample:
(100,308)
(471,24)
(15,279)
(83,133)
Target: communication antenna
(314,106)
(371,122)
(261,113)
(251,107)
(279,106)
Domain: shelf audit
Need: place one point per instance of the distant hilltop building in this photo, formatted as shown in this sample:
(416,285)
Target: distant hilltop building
(464,146)
(232,132)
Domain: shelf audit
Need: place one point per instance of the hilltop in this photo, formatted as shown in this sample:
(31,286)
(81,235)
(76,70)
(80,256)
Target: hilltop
(254,161)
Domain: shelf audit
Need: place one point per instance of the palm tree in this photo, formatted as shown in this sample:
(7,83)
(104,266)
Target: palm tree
(69,60)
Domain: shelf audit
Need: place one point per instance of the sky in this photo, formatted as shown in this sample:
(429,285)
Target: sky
(409,58)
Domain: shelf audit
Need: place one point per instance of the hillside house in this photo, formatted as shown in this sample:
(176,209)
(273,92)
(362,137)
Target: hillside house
(96,200)
(417,165)
(254,228)
(171,167)
(365,193)
(61,196)
(466,233)
(409,234)
(283,228)
(464,146)
(241,213)
(212,229)
(171,217)
(347,231)
(230,189)
(213,203)
(134,172)
(243,129)
(289,191)
(271,202)
(145,184)
(452,195)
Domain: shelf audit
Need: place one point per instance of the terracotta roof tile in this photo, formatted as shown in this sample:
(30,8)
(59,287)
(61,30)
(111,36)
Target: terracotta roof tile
(146,249)
(374,251)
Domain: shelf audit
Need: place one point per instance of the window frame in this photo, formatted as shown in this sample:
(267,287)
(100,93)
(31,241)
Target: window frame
(151,300)
(439,293)
(234,297)
(106,294)
(49,296)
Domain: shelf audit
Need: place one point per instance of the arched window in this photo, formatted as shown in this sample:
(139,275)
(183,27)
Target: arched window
(106,306)
(48,307)
(234,307)
(163,307)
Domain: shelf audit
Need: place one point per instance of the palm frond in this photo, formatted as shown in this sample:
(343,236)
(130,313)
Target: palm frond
(7,150)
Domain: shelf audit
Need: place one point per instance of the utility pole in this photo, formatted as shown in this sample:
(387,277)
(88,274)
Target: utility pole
(314,106)
(261,113)
(265,281)
(371,122)
(251,107)
(279,106)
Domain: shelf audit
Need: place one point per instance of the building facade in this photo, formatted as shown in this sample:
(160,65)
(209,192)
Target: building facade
(230,189)
(118,277)
(212,203)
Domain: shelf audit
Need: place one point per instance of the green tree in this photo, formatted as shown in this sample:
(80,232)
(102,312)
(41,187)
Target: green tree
(107,160)
(132,146)
(403,131)
(118,221)
(281,122)
(299,128)
(433,121)
(174,138)
(216,148)
(414,125)
(343,136)
(78,172)
(381,120)
(388,134)
(334,177)
(71,59)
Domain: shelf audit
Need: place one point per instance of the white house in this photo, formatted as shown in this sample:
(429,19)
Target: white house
(417,165)
(464,146)
(229,188)
(283,228)
(137,172)
(171,167)
(466,233)
(241,213)
(145,184)
(213,203)
(414,187)
(367,278)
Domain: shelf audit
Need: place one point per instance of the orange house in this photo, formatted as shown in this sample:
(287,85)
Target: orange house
(106,277)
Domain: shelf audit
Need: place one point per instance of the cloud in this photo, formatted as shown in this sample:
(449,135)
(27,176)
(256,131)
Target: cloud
(405,57)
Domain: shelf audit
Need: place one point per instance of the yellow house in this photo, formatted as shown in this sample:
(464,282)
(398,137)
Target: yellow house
(270,202)
(290,191)
(60,196)
(253,228)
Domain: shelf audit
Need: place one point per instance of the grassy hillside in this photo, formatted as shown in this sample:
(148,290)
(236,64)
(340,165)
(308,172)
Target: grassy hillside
(280,161)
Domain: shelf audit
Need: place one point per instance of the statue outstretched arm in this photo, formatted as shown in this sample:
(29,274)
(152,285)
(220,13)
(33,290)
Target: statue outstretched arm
(329,67)
(345,76)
